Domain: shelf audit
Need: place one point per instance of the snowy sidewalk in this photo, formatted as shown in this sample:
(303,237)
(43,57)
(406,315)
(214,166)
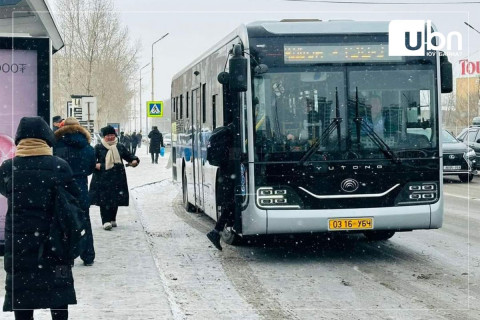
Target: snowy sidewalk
(124,282)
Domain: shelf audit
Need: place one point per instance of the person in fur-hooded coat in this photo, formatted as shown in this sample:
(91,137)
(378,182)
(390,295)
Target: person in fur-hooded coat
(73,145)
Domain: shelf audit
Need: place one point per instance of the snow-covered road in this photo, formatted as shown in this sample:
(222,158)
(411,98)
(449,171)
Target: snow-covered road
(158,264)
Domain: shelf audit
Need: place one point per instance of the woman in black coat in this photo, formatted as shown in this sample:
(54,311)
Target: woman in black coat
(156,141)
(109,188)
(36,277)
(73,145)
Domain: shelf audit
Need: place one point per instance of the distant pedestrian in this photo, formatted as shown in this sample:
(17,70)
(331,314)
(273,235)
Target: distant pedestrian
(134,142)
(127,142)
(109,188)
(156,141)
(36,277)
(139,139)
(57,122)
(121,139)
(73,145)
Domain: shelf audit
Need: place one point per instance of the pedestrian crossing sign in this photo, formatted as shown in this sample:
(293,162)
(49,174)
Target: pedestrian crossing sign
(155,109)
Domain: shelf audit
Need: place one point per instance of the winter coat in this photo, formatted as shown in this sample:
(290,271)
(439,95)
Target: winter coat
(139,139)
(34,281)
(156,140)
(134,139)
(109,187)
(73,145)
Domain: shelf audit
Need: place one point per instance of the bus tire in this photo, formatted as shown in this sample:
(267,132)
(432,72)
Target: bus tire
(378,235)
(466,177)
(231,237)
(187,205)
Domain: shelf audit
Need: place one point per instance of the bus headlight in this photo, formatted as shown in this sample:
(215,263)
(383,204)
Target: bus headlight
(418,193)
(278,198)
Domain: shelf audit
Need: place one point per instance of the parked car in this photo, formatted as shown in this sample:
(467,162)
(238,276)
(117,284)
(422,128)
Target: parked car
(471,137)
(167,139)
(458,159)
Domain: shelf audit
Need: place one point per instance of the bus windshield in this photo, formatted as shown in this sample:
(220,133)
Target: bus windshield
(294,110)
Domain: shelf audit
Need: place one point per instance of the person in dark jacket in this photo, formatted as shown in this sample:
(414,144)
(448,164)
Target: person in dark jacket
(57,122)
(134,142)
(156,141)
(139,139)
(121,139)
(127,142)
(73,145)
(36,277)
(109,188)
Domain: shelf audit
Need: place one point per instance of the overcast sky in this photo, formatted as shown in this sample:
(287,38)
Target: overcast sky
(194,26)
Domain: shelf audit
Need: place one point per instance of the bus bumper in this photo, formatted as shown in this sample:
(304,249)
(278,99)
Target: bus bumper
(391,218)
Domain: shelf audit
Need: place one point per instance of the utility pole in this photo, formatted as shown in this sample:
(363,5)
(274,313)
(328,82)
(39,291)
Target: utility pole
(153,84)
(140,115)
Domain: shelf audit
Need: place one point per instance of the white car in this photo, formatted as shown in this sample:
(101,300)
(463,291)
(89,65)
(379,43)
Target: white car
(167,139)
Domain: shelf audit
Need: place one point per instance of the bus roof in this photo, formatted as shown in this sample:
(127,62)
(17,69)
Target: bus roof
(324,27)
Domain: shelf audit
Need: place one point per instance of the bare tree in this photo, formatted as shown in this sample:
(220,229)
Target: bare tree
(98,58)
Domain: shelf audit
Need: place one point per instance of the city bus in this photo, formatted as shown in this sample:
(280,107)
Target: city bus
(332,134)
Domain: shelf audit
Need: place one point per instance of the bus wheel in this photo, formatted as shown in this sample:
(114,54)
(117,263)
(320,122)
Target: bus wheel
(230,237)
(378,235)
(188,207)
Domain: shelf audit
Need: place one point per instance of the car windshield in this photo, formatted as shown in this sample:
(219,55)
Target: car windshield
(294,109)
(448,137)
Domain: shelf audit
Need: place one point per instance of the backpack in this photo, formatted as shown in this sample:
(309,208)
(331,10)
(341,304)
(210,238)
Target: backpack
(219,144)
(67,234)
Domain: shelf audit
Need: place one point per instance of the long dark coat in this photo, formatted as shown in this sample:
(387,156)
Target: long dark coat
(109,187)
(34,281)
(73,145)
(156,141)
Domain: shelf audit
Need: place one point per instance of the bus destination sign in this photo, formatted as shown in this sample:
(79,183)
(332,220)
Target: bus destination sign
(337,53)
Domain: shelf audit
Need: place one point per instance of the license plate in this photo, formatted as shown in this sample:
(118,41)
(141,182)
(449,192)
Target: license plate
(452,167)
(350,224)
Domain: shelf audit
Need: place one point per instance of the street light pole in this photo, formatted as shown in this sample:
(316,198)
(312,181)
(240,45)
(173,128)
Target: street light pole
(153,84)
(140,115)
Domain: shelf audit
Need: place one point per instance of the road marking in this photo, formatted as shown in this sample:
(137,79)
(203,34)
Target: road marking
(462,197)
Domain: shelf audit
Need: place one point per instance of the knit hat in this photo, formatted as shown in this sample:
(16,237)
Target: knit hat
(108,130)
(34,127)
(57,119)
(70,121)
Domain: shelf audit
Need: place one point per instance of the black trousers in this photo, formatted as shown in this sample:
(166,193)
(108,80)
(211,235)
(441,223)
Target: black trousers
(61,313)
(156,157)
(134,150)
(108,213)
(227,199)
(88,255)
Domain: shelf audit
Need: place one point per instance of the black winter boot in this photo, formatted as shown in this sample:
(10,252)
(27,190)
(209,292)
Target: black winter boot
(214,237)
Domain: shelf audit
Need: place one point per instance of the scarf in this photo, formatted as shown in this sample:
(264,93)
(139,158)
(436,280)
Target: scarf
(29,147)
(112,156)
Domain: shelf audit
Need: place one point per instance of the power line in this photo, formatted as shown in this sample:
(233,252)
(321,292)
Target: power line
(385,3)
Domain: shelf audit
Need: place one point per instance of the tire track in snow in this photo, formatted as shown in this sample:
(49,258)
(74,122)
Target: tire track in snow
(237,270)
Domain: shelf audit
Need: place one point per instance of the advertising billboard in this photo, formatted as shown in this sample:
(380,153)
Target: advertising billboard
(24,91)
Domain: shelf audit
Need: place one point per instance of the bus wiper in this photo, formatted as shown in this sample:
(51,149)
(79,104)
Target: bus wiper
(381,144)
(326,133)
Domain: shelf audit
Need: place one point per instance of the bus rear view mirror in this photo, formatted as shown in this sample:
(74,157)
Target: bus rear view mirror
(223,78)
(237,67)
(446,75)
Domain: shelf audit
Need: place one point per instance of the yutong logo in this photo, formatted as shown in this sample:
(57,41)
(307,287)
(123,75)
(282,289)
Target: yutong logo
(349,185)
(414,38)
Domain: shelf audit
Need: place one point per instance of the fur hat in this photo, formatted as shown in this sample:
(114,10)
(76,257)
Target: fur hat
(108,130)
(34,127)
(71,121)
(57,119)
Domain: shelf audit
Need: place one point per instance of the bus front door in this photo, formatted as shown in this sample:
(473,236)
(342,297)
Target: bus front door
(197,148)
